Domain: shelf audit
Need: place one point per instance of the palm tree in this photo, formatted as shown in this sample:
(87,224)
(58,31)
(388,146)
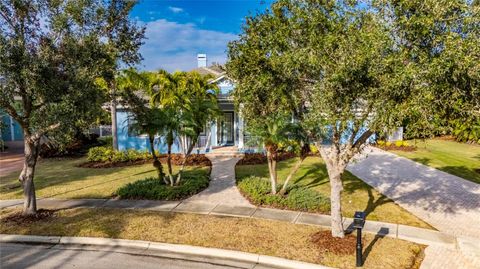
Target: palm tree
(166,91)
(199,107)
(275,132)
(147,119)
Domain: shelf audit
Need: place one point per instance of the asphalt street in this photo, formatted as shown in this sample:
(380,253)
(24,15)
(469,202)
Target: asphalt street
(44,256)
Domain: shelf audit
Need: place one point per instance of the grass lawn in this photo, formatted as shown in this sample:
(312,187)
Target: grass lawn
(266,237)
(62,179)
(356,196)
(458,159)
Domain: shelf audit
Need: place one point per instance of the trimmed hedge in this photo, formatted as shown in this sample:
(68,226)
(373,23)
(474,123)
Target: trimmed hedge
(155,189)
(106,157)
(257,191)
(107,154)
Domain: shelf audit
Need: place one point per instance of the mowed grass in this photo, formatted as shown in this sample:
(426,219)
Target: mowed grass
(266,237)
(356,196)
(63,179)
(458,159)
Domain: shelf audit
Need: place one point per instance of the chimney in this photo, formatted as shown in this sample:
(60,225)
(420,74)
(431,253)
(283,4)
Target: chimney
(202,60)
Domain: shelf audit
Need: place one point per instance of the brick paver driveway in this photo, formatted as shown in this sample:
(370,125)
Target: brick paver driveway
(11,161)
(447,202)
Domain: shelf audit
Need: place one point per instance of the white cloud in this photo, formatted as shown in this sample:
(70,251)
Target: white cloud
(175,9)
(174,46)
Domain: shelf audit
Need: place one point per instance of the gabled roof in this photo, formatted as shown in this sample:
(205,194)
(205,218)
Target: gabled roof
(214,70)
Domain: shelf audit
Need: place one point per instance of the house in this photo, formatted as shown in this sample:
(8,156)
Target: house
(228,130)
(10,131)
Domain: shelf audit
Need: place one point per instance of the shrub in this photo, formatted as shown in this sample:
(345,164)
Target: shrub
(106,140)
(257,190)
(155,189)
(107,154)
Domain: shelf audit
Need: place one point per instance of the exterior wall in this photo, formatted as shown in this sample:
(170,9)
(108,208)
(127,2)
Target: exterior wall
(127,140)
(12,130)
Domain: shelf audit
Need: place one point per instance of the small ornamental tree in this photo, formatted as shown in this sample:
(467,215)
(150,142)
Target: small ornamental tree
(51,53)
(347,71)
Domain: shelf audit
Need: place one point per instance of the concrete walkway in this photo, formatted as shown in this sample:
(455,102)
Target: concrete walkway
(413,234)
(447,202)
(222,188)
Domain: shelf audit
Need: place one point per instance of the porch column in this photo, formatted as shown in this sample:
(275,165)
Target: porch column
(213,137)
(240,131)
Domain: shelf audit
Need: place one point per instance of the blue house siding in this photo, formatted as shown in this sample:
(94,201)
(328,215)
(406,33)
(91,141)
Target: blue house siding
(126,140)
(12,130)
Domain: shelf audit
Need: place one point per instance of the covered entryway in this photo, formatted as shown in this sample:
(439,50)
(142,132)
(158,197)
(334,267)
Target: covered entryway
(225,129)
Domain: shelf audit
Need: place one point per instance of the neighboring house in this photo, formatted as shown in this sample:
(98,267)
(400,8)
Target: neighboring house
(10,130)
(226,131)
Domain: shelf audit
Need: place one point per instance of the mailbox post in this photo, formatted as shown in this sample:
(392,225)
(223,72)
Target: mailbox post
(358,223)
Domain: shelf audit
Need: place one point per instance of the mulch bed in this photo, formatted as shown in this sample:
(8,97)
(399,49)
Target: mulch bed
(18,218)
(402,148)
(339,246)
(260,158)
(177,159)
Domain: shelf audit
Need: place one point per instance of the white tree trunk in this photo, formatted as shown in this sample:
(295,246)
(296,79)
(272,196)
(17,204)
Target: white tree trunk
(335,171)
(336,205)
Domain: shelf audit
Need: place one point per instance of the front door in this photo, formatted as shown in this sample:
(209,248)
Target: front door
(225,129)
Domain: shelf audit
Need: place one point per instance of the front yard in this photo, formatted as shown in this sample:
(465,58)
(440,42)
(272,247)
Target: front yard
(63,179)
(458,159)
(273,238)
(357,195)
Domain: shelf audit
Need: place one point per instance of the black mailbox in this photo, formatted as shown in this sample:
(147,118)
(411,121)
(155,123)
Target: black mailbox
(359,220)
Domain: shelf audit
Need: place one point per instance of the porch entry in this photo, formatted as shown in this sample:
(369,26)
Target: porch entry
(225,131)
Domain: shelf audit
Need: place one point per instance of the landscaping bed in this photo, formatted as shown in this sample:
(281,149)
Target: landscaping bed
(356,195)
(260,158)
(267,237)
(106,157)
(155,189)
(257,190)
(398,145)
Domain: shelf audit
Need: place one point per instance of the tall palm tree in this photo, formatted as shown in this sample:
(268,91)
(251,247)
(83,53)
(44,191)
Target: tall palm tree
(167,92)
(199,107)
(147,119)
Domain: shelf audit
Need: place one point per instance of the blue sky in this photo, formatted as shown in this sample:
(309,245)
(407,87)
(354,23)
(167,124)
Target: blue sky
(179,29)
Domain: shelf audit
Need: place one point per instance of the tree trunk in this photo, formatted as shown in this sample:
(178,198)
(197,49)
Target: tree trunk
(156,162)
(335,171)
(290,176)
(27,174)
(113,111)
(272,170)
(336,189)
(169,162)
(185,156)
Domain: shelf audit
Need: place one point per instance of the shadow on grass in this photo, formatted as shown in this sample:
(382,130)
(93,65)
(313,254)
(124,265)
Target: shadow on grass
(381,234)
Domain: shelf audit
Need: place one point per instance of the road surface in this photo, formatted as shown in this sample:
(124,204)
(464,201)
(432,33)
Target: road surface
(45,257)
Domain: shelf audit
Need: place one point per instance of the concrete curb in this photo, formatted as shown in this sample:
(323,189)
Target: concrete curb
(184,252)
(408,233)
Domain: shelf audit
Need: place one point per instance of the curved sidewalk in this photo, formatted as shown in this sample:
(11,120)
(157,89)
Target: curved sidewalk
(222,187)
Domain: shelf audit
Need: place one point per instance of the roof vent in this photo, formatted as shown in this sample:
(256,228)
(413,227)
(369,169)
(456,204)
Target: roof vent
(202,60)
